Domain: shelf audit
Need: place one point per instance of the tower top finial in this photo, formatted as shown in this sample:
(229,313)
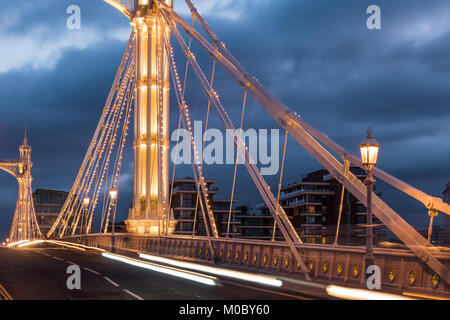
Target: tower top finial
(25,139)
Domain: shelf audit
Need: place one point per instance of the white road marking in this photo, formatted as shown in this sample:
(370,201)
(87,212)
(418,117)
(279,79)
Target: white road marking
(58,258)
(45,254)
(132,294)
(110,281)
(70,262)
(91,271)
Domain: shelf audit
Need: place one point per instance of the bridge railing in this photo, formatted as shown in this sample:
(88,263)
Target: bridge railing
(400,269)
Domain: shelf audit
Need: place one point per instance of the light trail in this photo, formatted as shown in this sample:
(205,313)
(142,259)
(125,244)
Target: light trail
(361,294)
(279,293)
(75,245)
(424,296)
(269,281)
(201,278)
(16,243)
(26,244)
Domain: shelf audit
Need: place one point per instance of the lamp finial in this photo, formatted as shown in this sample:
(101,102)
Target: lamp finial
(370,132)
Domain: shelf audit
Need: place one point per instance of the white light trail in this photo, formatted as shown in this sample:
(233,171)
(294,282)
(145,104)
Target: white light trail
(81,246)
(26,244)
(424,296)
(204,279)
(60,243)
(361,294)
(270,281)
(16,243)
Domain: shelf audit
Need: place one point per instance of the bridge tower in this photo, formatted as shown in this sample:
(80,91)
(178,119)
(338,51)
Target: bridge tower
(150,211)
(24,225)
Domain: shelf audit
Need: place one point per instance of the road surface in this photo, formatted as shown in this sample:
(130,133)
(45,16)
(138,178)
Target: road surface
(41,274)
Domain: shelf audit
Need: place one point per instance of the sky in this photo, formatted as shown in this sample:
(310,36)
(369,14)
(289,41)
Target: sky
(317,57)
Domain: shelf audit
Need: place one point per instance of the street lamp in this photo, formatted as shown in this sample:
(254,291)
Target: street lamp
(113,196)
(86,202)
(369,155)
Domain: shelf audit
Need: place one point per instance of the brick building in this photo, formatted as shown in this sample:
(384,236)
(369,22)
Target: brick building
(312,205)
(184,203)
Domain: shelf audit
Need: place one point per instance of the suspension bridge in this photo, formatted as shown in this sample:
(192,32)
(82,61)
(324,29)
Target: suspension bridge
(140,93)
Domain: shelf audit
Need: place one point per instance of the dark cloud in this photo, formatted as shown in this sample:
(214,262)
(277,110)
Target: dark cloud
(315,56)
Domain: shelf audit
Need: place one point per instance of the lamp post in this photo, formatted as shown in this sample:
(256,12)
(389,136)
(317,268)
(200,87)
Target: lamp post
(113,196)
(86,202)
(369,155)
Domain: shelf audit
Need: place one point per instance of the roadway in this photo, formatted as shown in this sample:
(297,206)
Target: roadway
(41,274)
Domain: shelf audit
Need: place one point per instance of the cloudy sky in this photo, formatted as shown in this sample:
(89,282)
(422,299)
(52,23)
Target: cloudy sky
(317,56)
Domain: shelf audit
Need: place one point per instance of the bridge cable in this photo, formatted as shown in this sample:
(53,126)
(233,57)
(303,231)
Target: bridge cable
(203,145)
(306,136)
(235,165)
(268,197)
(156,153)
(179,125)
(341,204)
(115,177)
(81,208)
(73,200)
(206,124)
(106,200)
(123,102)
(103,163)
(186,123)
(182,105)
(262,186)
(279,184)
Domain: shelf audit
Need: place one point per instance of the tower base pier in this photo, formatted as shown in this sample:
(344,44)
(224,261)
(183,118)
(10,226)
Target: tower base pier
(150,227)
